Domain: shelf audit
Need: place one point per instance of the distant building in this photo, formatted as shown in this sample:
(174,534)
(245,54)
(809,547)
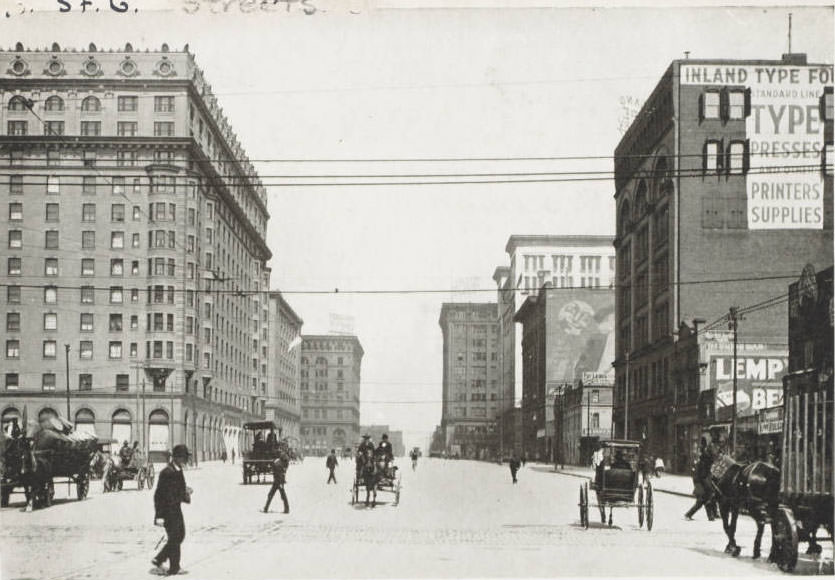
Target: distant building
(585,413)
(724,175)
(330,392)
(395,437)
(566,334)
(511,432)
(283,387)
(471,390)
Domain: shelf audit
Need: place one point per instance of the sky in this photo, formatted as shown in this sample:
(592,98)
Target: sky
(365,79)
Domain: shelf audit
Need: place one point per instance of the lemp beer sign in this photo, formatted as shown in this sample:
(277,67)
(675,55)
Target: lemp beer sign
(785,139)
(759,380)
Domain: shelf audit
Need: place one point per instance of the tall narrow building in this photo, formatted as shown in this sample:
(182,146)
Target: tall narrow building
(134,250)
(283,404)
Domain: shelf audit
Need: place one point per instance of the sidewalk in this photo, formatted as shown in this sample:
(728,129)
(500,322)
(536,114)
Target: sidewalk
(681,485)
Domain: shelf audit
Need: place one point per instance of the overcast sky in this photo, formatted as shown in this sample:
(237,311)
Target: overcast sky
(375,82)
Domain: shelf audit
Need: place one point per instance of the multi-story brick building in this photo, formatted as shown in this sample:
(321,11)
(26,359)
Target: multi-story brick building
(330,392)
(724,176)
(471,393)
(134,240)
(283,403)
(585,413)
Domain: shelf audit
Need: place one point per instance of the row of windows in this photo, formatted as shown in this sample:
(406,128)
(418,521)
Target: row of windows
(89,184)
(85,382)
(90,128)
(92,104)
(85,349)
(124,158)
(156,295)
(166,267)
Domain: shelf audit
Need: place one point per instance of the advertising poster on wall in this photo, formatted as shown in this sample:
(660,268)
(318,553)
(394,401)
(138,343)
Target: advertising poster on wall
(782,107)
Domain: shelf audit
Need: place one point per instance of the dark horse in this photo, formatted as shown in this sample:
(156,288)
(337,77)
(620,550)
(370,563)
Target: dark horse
(370,473)
(27,470)
(749,487)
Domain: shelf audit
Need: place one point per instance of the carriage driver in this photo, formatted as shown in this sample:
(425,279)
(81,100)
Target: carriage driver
(384,449)
(365,445)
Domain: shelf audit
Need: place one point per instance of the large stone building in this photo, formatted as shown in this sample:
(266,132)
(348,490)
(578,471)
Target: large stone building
(567,334)
(725,175)
(283,403)
(134,239)
(471,392)
(330,392)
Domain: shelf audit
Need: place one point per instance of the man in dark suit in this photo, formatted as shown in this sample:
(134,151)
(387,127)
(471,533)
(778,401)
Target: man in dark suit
(331,463)
(279,479)
(171,492)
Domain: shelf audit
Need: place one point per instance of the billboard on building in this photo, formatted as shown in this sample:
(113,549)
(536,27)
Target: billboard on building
(759,376)
(784,141)
(580,333)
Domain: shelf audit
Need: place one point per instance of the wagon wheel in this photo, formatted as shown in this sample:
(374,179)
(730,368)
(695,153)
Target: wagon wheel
(584,506)
(649,507)
(640,506)
(140,480)
(149,476)
(50,493)
(355,492)
(784,538)
(82,486)
(397,492)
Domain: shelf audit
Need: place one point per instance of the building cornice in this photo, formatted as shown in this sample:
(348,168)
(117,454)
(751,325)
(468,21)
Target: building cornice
(517,241)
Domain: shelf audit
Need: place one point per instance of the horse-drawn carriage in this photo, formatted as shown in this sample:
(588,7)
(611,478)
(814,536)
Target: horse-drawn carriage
(375,473)
(258,462)
(32,460)
(617,483)
(139,469)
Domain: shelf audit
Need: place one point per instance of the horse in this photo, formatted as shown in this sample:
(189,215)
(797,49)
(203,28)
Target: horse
(32,472)
(370,472)
(752,487)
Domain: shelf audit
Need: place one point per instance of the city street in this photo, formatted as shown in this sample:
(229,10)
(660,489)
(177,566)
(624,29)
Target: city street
(455,519)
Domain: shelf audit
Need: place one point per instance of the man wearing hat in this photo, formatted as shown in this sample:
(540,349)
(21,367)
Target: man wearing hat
(171,492)
(280,465)
(366,445)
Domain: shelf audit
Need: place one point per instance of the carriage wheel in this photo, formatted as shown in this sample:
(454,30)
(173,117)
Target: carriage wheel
(82,486)
(584,505)
(50,493)
(784,538)
(355,492)
(140,481)
(649,507)
(397,492)
(149,476)
(640,506)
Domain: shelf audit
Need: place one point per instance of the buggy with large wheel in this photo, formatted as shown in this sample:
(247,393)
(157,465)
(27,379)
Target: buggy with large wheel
(375,473)
(808,457)
(140,470)
(257,463)
(53,449)
(617,484)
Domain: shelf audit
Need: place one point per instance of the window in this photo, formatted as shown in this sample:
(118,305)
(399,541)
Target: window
(48,381)
(91,104)
(15,239)
(50,348)
(126,104)
(116,267)
(88,185)
(118,185)
(53,128)
(117,239)
(88,212)
(50,321)
(16,184)
(88,240)
(712,212)
(134,268)
(17,103)
(50,295)
(87,295)
(163,129)
(736,212)
(53,158)
(51,239)
(88,267)
(163,104)
(115,323)
(54,104)
(126,128)
(90,128)
(14,266)
(134,240)
(737,157)
(134,350)
(85,349)
(712,156)
(163,157)
(137,213)
(85,382)
(52,212)
(13,322)
(53,185)
(17,128)
(15,211)
(122,382)
(115,349)
(736,104)
(86,322)
(13,348)
(89,158)
(13,294)
(126,158)
(117,212)
(710,102)
(116,296)
(50,267)
(12,381)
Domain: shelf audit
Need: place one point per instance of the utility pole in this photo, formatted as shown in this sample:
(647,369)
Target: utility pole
(67,357)
(626,404)
(733,318)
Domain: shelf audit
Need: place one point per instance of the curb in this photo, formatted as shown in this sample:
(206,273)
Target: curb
(658,489)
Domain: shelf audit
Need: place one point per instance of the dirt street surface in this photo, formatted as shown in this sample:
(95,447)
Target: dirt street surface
(455,519)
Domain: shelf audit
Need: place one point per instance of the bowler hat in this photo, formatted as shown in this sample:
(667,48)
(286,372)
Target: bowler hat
(180,451)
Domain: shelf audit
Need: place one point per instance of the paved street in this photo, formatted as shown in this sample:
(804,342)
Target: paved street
(455,519)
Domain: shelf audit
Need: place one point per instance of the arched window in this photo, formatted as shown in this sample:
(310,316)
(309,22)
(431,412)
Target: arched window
(46,413)
(9,418)
(85,421)
(640,201)
(54,103)
(17,103)
(158,430)
(661,181)
(91,104)
(121,427)
(625,221)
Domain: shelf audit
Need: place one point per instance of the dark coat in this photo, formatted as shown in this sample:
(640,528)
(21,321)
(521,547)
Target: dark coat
(280,469)
(170,493)
(331,461)
(515,464)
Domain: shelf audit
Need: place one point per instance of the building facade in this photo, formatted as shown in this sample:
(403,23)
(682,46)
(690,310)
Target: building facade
(471,393)
(718,194)
(567,334)
(585,413)
(134,236)
(330,392)
(283,403)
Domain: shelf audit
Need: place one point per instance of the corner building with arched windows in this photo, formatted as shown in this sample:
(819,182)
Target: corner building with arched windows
(723,190)
(133,232)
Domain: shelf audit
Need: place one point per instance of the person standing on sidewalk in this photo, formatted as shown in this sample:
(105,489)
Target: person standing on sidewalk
(701,484)
(279,479)
(331,464)
(514,467)
(171,492)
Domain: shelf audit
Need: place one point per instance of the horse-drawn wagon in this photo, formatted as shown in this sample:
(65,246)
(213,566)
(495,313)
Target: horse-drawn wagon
(258,462)
(375,473)
(139,470)
(617,484)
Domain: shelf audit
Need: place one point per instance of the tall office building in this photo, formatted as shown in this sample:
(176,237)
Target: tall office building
(134,238)
(283,404)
